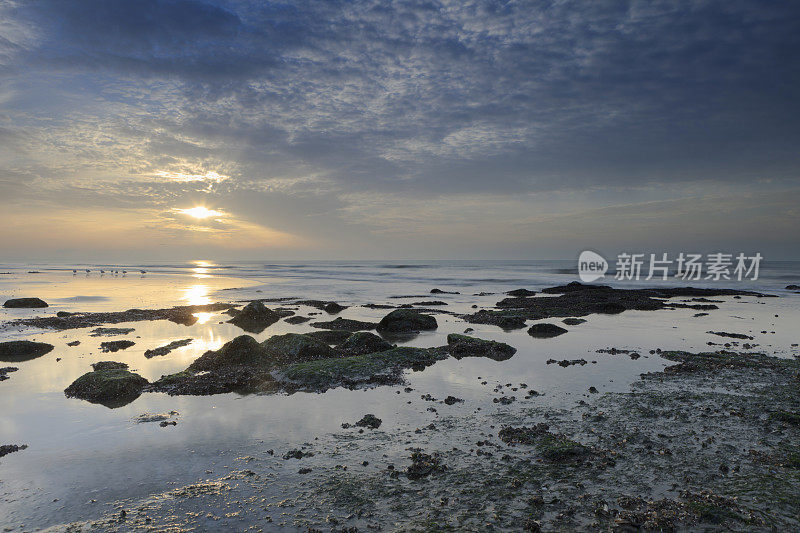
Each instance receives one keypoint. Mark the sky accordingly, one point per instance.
(185, 129)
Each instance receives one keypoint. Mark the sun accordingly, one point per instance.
(200, 212)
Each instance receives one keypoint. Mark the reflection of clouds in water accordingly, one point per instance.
(196, 295)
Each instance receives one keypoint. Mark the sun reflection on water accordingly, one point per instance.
(201, 269)
(196, 295)
(202, 318)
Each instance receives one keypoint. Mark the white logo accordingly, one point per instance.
(591, 266)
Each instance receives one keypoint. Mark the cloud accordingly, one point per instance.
(360, 109)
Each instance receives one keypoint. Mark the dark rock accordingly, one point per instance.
(296, 348)
(423, 465)
(73, 343)
(521, 293)
(112, 388)
(567, 362)
(243, 350)
(110, 332)
(375, 368)
(333, 308)
(363, 342)
(19, 351)
(4, 371)
(297, 454)
(793, 287)
(573, 321)
(463, 346)
(406, 320)
(165, 423)
(731, 335)
(439, 291)
(6, 449)
(109, 365)
(255, 317)
(164, 350)
(428, 302)
(552, 446)
(115, 346)
(345, 324)
(505, 320)
(369, 421)
(545, 331)
(62, 314)
(329, 307)
(297, 319)
(179, 315)
(450, 400)
(577, 299)
(25, 303)
(332, 336)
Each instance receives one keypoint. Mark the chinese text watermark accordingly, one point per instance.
(686, 266)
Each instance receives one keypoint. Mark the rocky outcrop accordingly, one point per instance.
(464, 346)
(164, 350)
(18, 351)
(406, 321)
(362, 343)
(25, 303)
(345, 324)
(112, 387)
(521, 293)
(255, 317)
(545, 331)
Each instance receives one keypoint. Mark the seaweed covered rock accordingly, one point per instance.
(6, 449)
(363, 342)
(552, 446)
(331, 308)
(545, 331)
(369, 421)
(506, 320)
(464, 346)
(243, 350)
(115, 346)
(406, 320)
(25, 303)
(109, 365)
(296, 319)
(111, 387)
(375, 368)
(255, 317)
(573, 321)
(423, 465)
(18, 351)
(344, 324)
(521, 293)
(295, 348)
(331, 336)
(164, 350)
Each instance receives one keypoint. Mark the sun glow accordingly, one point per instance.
(200, 212)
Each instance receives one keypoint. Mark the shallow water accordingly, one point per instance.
(83, 456)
